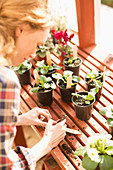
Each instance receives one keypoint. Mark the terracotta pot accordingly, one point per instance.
(75, 69)
(61, 58)
(83, 112)
(25, 78)
(38, 58)
(66, 93)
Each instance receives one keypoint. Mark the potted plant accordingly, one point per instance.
(46, 69)
(44, 89)
(42, 49)
(72, 64)
(98, 153)
(67, 84)
(95, 78)
(83, 102)
(23, 71)
(59, 24)
(63, 49)
(108, 112)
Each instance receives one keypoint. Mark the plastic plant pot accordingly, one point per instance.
(90, 86)
(66, 93)
(75, 69)
(83, 112)
(111, 130)
(45, 98)
(25, 78)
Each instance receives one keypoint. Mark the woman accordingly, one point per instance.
(23, 26)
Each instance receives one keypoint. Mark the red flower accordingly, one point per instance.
(71, 36)
(62, 36)
(59, 35)
(53, 31)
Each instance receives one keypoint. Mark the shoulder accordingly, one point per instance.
(8, 76)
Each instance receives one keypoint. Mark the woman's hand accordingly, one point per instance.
(35, 116)
(54, 134)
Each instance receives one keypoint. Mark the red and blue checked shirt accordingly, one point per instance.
(21, 158)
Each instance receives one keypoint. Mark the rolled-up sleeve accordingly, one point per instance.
(9, 109)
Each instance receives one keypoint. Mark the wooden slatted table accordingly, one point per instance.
(96, 124)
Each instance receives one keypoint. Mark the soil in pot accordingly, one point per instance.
(25, 78)
(75, 68)
(66, 93)
(91, 85)
(83, 111)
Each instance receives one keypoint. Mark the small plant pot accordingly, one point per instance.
(25, 78)
(90, 86)
(75, 69)
(83, 112)
(45, 98)
(111, 130)
(66, 93)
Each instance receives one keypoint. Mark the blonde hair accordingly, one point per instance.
(14, 13)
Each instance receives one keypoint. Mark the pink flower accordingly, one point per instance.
(63, 53)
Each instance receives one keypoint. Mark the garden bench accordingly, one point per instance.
(63, 154)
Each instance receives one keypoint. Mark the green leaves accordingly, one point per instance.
(81, 151)
(106, 162)
(48, 46)
(88, 164)
(108, 112)
(44, 69)
(64, 50)
(22, 67)
(66, 74)
(85, 98)
(44, 83)
(95, 77)
(98, 152)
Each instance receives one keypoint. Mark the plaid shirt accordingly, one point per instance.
(21, 158)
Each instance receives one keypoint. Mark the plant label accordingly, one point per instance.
(69, 81)
(36, 75)
(75, 51)
(104, 73)
(48, 57)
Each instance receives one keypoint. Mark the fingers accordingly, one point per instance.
(44, 112)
